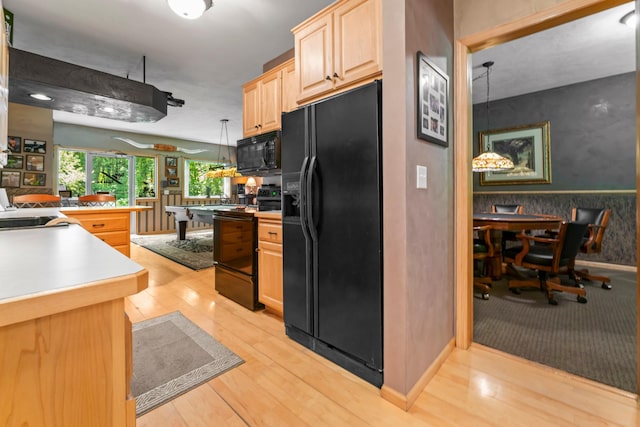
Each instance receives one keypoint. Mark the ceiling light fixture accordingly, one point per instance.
(490, 161)
(189, 9)
(223, 171)
(41, 96)
(630, 19)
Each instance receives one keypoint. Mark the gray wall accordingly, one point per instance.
(592, 133)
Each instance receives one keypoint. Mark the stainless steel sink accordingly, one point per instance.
(25, 222)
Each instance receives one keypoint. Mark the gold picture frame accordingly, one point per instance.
(528, 146)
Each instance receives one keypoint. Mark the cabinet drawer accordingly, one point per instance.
(270, 232)
(114, 238)
(97, 223)
(236, 226)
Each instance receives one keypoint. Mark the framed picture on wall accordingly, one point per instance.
(14, 162)
(173, 182)
(14, 144)
(33, 146)
(527, 146)
(10, 179)
(35, 163)
(433, 101)
(32, 179)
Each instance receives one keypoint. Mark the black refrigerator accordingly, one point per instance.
(332, 229)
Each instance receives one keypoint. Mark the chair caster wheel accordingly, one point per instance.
(581, 299)
(485, 295)
(553, 302)
(606, 286)
(515, 291)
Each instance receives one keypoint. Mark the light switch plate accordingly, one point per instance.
(421, 173)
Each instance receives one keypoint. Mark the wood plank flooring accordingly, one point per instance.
(283, 384)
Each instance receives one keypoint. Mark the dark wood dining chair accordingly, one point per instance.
(597, 220)
(36, 201)
(97, 200)
(549, 256)
(483, 251)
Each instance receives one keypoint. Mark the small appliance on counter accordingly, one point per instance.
(269, 198)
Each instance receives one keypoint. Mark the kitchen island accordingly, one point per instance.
(65, 341)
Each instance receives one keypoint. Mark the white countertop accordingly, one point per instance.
(52, 259)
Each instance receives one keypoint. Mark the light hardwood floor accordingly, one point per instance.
(283, 384)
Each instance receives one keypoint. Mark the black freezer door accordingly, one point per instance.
(346, 214)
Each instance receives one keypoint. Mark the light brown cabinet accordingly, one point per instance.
(111, 225)
(338, 48)
(262, 103)
(270, 264)
(289, 90)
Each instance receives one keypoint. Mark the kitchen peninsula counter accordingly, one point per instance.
(65, 341)
(269, 215)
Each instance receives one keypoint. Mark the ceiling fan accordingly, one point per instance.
(159, 147)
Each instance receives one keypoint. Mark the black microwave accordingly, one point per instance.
(260, 154)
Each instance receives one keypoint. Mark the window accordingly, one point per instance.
(85, 172)
(145, 177)
(198, 185)
(71, 171)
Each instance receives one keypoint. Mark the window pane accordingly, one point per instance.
(71, 171)
(198, 185)
(145, 177)
(110, 174)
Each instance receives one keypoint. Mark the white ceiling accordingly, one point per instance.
(587, 49)
(203, 61)
(206, 61)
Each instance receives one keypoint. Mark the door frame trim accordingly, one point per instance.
(463, 137)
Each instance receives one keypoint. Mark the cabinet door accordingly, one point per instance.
(270, 101)
(358, 41)
(270, 275)
(314, 57)
(289, 91)
(250, 108)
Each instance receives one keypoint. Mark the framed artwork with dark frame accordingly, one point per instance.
(33, 179)
(10, 179)
(14, 162)
(14, 144)
(173, 182)
(433, 101)
(528, 146)
(33, 146)
(35, 162)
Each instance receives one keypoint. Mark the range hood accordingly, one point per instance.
(82, 90)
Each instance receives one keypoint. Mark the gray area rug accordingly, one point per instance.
(195, 252)
(596, 340)
(172, 355)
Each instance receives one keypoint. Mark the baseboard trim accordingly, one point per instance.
(619, 267)
(405, 402)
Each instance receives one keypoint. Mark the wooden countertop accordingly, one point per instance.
(268, 215)
(50, 270)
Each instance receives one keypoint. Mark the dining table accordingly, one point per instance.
(512, 222)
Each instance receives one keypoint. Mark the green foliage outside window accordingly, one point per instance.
(111, 174)
(199, 184)
(145, 176)
(71, 172)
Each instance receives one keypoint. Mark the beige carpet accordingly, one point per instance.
(172, 355)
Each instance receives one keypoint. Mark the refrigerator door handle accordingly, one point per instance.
(310, 219)
(303, 198)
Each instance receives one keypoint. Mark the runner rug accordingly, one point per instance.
(172, 355)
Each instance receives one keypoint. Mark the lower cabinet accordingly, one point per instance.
(112, 225)
(270, 264)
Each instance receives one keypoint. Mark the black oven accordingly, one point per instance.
(259, 155)
(235, 239)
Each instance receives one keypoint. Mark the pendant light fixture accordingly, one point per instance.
(490, 161)
(223, 170)
(189, 9)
